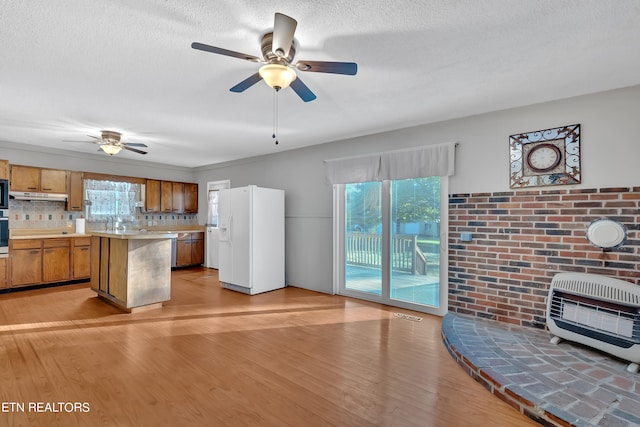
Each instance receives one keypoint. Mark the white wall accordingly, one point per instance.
(610, 149)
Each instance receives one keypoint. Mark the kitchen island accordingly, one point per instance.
(132, 270)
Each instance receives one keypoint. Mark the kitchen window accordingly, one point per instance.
(111, 200)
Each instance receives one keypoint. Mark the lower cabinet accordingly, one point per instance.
(4, 273)
(81, 258)
(26, 261)
(197, 248)
(56, 260)
(190, 249)
(51, 260)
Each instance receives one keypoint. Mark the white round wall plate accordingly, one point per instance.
(606, 233)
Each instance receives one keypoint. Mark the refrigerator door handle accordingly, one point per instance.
(231, 230)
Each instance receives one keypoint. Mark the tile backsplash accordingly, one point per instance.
(44, 214)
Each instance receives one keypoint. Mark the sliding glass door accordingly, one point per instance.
(363, 237)
(388, 242)
(415, 241)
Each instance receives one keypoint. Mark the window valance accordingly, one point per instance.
(430, 160)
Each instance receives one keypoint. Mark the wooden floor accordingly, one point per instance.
(214, 357)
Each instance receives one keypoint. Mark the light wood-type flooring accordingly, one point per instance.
(214, 357)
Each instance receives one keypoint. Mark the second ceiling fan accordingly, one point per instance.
(278, 51)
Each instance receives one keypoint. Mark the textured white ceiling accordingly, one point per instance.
(72, 68)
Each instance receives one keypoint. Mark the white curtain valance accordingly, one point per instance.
(430, 160)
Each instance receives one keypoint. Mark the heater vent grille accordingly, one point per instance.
(598, 287)
(613, 321)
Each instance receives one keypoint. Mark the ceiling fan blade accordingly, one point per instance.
(284, 27)
(221, 51)
(348, 68)
(133, 144)
(134, 150)
(302, 90)
(95, 137)
(246, 83)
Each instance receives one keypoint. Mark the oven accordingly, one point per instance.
(4, 233)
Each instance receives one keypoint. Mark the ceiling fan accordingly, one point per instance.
(279, 71)
(110, 143)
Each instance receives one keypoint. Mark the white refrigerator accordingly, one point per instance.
(251, 239)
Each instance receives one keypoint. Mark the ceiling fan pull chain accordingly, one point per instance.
(275, 116)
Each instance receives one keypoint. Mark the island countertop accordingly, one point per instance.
(135, 235)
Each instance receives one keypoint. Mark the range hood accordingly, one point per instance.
(50, 197)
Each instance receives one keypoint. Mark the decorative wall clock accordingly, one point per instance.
(545, 157)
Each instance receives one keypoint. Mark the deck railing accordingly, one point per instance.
(365, 249)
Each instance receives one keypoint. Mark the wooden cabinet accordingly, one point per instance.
(169, 196)
(81, 267)
(4, 273)
(51, 260)
(197, 248)
(56, 260)
(152, 196)
(189, 249)
(75, 201)
(177, 197)
(4, 169)
(166, 196)
(53, 181)
(190, 198)
(183, 250)
(25, 178)
(26, 261)
(28, 178)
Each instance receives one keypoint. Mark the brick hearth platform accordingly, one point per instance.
(556, 385)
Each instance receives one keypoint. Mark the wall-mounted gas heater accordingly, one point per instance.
(598, 311)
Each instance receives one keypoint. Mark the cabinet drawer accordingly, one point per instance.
(26, 244)
(184, 236)
(82, 241)
(197, 236)
(55, 243)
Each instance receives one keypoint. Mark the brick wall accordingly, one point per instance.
(521, 239)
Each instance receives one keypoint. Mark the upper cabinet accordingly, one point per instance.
(25, 178)
(152, 196)
(32, 179)
(191, 198)
(171, 197)
(166, 196)
(53, 181)
(4, 169)
(177, 196)
(75, 201)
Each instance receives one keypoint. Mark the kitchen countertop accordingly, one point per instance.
(47, 236)
(49, 233)
(135, 235)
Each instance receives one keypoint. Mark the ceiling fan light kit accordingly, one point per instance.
(277, 76)
(110, 149)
